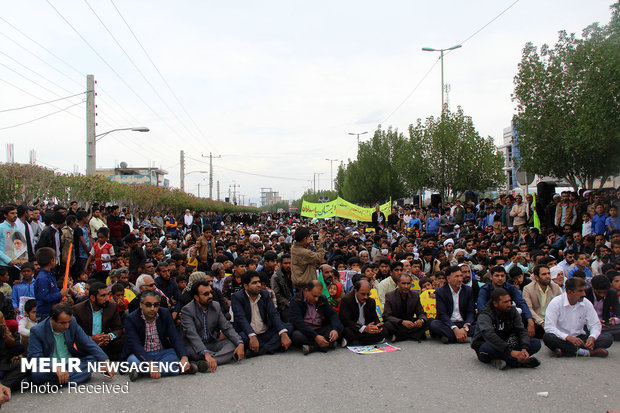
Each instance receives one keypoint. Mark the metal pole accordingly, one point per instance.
(442, 91)
(182, 162)
(199, 190)
(91, 149)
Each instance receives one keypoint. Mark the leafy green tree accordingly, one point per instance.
(452, 155)
(273, 208)
(568, 105)
(340, 176)
(374, 176)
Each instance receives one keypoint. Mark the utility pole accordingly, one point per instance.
(91, 150)
(331, 169)
(182, 162)
(211, 172)
(218, 190)
(199, 190)
(229, 197)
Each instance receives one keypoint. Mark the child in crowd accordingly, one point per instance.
(27, 322)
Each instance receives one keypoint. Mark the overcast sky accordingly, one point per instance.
(274, 87)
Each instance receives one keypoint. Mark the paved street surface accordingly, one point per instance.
(428, 377)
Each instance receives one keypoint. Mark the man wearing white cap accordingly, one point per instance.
(557, 276)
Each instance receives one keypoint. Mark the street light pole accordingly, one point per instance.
(358, 138)
(331, 170)
(91, 158)
(430, 49)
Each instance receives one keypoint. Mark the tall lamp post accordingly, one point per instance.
(331, 170)
(430, 49)
(358, 138)
(91, 145)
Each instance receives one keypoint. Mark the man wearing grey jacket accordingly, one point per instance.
(202, 322)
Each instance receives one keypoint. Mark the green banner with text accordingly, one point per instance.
(341, 208)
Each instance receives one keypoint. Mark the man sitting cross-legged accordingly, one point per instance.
(405, 318)
(202, 321)
(500, 337)
(358, 315)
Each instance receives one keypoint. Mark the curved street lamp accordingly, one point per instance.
(430, 49)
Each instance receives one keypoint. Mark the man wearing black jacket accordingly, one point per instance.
(316, 323)
(358, 314)
(500, 337)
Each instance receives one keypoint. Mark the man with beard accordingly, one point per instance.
(283, 287)
(202, 324)
(256, 318)
(500, 337)
(469, 281)
(100, 319)
(538, 295)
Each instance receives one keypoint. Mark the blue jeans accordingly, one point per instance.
(167, 355)
(52, 378)
(486, 353)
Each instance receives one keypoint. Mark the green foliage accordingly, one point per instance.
(374, 176)
(453, 157)
(340, 176)
(23, 184)
(568, 105)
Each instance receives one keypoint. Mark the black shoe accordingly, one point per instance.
(445, 339)
(306, 349)
(558, 352)
(203, 366)
(192, 369)
(134, 375)
(332, 345)
(530, 363)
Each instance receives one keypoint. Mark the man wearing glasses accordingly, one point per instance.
(152, 340)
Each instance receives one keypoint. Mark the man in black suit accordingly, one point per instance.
(469, 281)
(455, 309)
(605, 302)
(378, 218)
(405, 318)
(256, 318)
(100, 319)
(358, 314)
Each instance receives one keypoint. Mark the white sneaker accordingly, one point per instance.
(344, 342)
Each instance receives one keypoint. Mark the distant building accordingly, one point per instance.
(511, 158)
(125, 174)
(269, 197)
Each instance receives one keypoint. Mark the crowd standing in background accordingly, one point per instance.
(206, 289)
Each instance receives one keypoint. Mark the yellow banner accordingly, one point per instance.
(341, 208)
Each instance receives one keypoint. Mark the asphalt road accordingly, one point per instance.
(429, 377)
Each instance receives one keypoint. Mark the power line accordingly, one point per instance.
(122, 79)
(39, 104)
(247, 173)
(412, 92)
(137, 67)
(492, 20)
(39, 118)
(162, 77)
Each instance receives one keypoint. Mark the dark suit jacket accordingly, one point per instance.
(79, 344)
(110, 318)
(242, 312)
(298, 312)
(47, 238)
(349, 311)
(445, 305)
(192, 326)
(392, 307)
(135, 331)
(610, 304)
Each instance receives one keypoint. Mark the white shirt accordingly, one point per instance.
(563, 319)
(361, 320)
(456, 313)
(188, 219)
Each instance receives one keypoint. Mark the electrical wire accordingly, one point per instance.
(246, 172)
(39, 104)
(163, 78)
(41, 117)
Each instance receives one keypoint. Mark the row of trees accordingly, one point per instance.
(25, 184)
(568, 105)
(445, 154)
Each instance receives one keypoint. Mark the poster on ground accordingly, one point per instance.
(373, 349)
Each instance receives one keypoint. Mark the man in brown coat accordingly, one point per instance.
(205, 246)
(100, 320)
(303, 260)
(538, 294)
